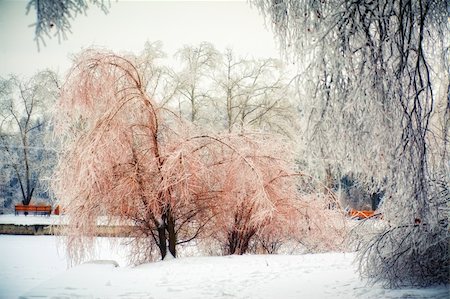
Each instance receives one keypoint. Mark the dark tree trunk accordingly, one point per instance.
(232, 242)
(28, 197)
(172, 234)
(238, 242)
(162, 240)
(167, 235)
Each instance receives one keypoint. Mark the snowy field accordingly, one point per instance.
(36, 267)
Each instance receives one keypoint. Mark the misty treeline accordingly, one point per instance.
(376, 77)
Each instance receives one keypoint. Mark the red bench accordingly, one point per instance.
(37, 210)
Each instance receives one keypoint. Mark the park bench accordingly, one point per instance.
(360, 214)
(37, 210)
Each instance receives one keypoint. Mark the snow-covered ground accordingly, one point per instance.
(35, 266)
(28, 261)
(21, 219)
(29, 220)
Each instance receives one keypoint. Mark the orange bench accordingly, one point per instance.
(360, 214)
(37, 210)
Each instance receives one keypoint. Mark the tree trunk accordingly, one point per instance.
(172, 234)
(238, 241)
(29, 191)
(162, 240)
(232, 242)
(167, 235)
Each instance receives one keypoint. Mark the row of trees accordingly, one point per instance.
(129, 159)
(200, 164)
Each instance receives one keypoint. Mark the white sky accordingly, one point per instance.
(128, 25)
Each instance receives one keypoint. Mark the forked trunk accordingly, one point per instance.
(167, 235)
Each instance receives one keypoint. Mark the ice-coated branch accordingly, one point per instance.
(54, 17)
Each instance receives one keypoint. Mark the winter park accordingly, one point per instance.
(224, 149)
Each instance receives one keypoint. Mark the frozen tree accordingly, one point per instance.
(225, 91)
(127, 159)
(258, 191)
(24, 128)
(115, 145)
(198, 63)
(53, 17)
(375, 77)
(253, 93)
(156, 76)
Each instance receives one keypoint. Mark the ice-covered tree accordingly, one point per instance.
(253, 93)
(24, 129)
(198, 64)
(223, 90)
(156, 76)
(257, 190)
(128, 159)
(375, 77)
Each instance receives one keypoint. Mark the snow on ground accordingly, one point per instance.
(28, 261)
(33, 266)
(29, 219)
(32, 219)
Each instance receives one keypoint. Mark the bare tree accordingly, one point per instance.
(198, 64)
(156, 76)
(253, 93)
(377, 75)
(25, 116)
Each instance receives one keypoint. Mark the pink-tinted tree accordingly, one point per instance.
(258, 192)
(116, 155)
(127, 160)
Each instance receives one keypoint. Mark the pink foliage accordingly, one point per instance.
(258, 190)
(129, 162)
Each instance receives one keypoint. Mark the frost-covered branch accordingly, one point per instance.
(53, 17)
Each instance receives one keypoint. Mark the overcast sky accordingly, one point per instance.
(128, 25)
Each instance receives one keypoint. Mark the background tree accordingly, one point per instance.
(377, 77)
(253, 93)
(157, 77)
(198, 63)
(222, 90)
(24, 128)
